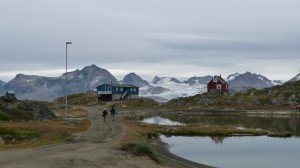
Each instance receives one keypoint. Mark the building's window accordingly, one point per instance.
(134, 89)
(117, 89)
(108, 88)
(219, 86)
(121, 89)
(226, 87)
(215, 80)
(131, 89)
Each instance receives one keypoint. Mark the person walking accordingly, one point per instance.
(112, 113)
(104, 114)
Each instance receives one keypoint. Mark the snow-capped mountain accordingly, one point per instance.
(239, 82)
(294, 79)
(198, 80)
(89, 78)
(49, 88)
(160, 88)
(164, 80)
(134, 79)
(167, 88)
(232, 76)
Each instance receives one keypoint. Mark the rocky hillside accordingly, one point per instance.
(82, 99)
(49, 88)
(134, 79)
(277, 97)
(13, 109)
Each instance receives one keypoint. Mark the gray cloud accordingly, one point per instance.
(151, 37)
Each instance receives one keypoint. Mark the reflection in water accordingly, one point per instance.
(217, 139)
(237, 152)
(271, 123)
(160, 121)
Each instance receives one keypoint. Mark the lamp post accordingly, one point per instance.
(66, 107)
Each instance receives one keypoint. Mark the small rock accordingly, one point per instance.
(2, 142)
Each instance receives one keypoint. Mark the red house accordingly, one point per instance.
(217, 85)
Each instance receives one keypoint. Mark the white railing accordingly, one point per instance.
(124, 94)
(104, 92)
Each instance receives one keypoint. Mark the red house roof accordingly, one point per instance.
(217, 84)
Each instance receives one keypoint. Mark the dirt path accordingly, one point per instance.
(92, 148)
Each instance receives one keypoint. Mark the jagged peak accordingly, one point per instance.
(134, 79)
(93, 66)
(132, 74)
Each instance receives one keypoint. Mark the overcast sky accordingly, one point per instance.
(178, 38)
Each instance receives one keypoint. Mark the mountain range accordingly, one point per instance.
(1, 83)
(160, 88)
(49, 88)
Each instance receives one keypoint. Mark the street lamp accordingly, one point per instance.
(66, 107)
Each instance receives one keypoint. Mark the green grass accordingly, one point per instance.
(15, 136)
(14, 113)
(140, 148)
(5, 116)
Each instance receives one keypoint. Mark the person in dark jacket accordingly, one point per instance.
(112, 113)
(104, 114)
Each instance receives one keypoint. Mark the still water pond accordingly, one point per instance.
(238, 152)
(270, 123)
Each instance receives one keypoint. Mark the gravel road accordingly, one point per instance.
(92, 148)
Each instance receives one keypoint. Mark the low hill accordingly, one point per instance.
(13, 109)
(277, 97)
(79, 99)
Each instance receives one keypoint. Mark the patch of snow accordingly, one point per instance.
(233, 76)
(94, 82)
(276, 83)
(265, 80)
(164, 80)
(175, 90)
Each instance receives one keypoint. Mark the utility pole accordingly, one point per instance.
(66, 89)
